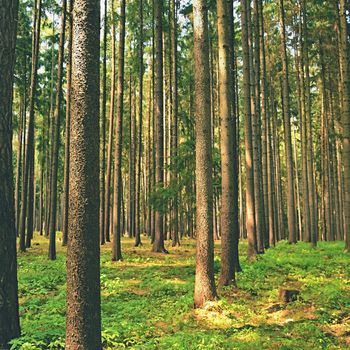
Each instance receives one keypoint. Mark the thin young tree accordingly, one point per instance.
(344, 60)
(29, 154)
(174, 126)
(103, 127)
(139, 152)
(204, 289)
(83, 320)
(9, 316)
(117, 191)
(158, 243)
(56, 137)
(250, 207)
(292, 235)
(67, 128)
(107, 211)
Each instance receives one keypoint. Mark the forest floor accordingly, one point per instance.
(147, 300)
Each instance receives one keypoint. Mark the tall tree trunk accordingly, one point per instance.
(139, 156)
(325, 151)
(310, 156)
(149, 160)
(56, 136)
(107, 217)
(174, 143)
(304, 132)
(48, 136)
(250, 207)
(158, 243)
(103, 128)
(83, 321)
(29, 155)
(117, 193)
(204, 289)
(344, 61)
(21, 130)
(256, 92)
(9, 316)
(292, 236)
(228, 224)
(67, 131)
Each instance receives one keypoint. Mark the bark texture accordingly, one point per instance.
(9, 318)
(228, 224)
(83, 320)
(204, 289)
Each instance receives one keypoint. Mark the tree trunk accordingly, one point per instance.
(250, 207)
(67, 132)
(158, 243)
(107, 217)
(56, 136)
(9, 317)
(228, 222)
(29, 155)
(292, 236)
(204, 289)
(83, 320)
(117, 193)
(174, 126)
(103, 127)
(343, 48)
(139, 153)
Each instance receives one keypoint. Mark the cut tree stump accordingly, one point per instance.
(288, 295)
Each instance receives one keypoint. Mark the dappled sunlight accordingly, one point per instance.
(147, 299)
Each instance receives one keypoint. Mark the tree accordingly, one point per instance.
(56, 137)
(174, 124)
(107, 211)
(29, 154)
(250, 207)
(83, 320)
(103, 128)
(228, 222)
(9, 316)
(344, 61)
(204, 289)
(117, 194)
(67, 129)
(292, 238)
(139, 157)
(158, 243)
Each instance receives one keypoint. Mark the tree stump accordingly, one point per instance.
(288, 295)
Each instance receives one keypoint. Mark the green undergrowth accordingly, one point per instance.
(147, 300)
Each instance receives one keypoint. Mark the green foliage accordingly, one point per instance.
(147, 300)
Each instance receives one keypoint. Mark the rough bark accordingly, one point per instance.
(228, 225)
(204, 289)
(9, 317)
(83, 320)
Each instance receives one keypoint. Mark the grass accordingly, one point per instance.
(147, 300)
